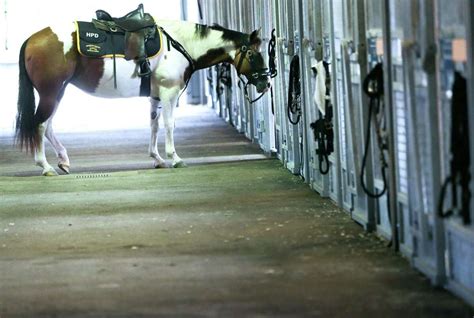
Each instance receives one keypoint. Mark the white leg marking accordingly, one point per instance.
(61, 152)
(40, 156)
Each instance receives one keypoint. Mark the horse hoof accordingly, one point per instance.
(64, 167)
(161, 165)
(180, 164)
(50, 173)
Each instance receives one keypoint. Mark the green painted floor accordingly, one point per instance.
(228, 239)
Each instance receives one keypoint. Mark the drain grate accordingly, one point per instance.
(92, 176)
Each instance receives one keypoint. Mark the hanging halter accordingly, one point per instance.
(294, 110)
(374, 88)
(460, 176)
(272, 64)
(323, 127)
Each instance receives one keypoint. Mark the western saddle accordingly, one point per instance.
(137, 25)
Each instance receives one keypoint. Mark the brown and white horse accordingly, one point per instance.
(49, 61)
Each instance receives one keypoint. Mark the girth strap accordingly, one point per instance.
(178, 47)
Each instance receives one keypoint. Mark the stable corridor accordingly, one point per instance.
(233, 235)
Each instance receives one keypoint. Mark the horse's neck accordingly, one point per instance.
(206, 48)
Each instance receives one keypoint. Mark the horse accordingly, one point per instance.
(49, 60)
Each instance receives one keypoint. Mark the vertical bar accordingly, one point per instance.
(337, 146)
(470, 83)
(431, 33)
(360, 37)
(305, 149)
(184, 10)
(388, 100)
(318, 29)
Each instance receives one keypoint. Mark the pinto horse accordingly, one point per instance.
(49, 61)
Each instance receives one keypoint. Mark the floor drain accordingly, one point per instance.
(92, 176)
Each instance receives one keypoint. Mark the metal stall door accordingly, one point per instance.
(454, 29)
(416, 127)
(238, 108)
(356, 111)
(397, 28)
(403, 19)
(328, 47)
(348, 67)
(289, 136)
(224, 78)
(263, 116)
(245, 10)
(219, 88)
(313, 51)
(235, 108)
(374, 180)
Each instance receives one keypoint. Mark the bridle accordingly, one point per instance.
(246, 53)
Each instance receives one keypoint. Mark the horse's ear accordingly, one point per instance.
(255, 37)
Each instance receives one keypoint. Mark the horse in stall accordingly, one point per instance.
(51, 59)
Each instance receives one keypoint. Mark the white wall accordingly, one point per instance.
(25, 17)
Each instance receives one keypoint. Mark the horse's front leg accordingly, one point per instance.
(171, 97)
(155, 113)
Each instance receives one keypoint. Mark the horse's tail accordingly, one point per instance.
(26, 126)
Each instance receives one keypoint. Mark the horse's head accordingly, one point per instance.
(250, 63)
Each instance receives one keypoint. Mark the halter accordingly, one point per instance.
(246, 53)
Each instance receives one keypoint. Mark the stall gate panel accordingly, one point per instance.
(290, 134)
(264, 119)
(456, 21)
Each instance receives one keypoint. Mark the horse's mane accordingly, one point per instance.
(229, 35)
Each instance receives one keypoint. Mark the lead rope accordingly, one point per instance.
(294, 91)
(272, 65)
(373, 87)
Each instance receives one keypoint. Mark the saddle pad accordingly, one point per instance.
(92, 42)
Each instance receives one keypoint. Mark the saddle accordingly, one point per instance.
(133, 36)
(137, 26)
(131, 22)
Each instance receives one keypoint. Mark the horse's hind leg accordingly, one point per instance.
(61, 152)
(44, 113)
(40, 155)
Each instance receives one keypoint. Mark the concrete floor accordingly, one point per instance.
(229, 239)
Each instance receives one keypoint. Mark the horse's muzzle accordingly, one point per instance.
(263, 88)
